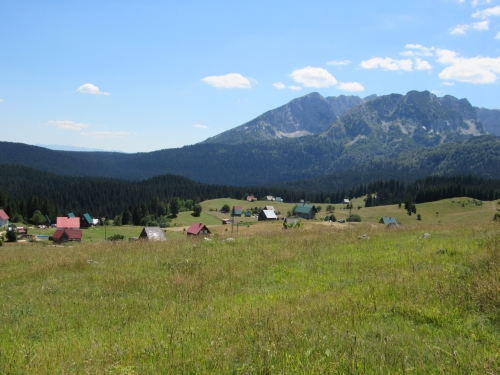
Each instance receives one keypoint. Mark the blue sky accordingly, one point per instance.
(146, 75)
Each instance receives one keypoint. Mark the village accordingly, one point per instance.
(229, 217)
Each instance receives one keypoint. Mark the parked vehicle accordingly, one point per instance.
(341, 221)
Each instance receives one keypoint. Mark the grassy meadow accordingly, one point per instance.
(313, 300)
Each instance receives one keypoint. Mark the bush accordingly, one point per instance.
(11, 235)
(116, 237)
(330, 217)
(496, 217)
(354, 218)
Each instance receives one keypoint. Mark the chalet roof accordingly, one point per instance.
(68, 222)
(388, 220)
(196, 228)
(3, 215)
(237, 210)
(71, 214)
(72, 234)
(279, 199)
(153, 234)
(269, 214)
(270, 208)
(305, 208)
(248, 214)
(88, 218)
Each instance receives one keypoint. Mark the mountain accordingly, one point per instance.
(307, 115)
(490, 119)
(419, 117)
(379, 137)
(72, 148)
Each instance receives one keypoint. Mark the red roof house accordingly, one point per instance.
(4, 218)
(197, 228)
(250, 198)
(65, 235)
(68, 222)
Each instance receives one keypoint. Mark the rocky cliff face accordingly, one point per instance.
(490, 119)
(309, 114)
(421, 116)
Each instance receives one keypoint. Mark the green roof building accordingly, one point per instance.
(306, 211)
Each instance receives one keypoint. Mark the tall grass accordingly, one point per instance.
(311, 301)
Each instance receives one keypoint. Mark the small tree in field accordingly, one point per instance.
(225, 208)
(11, 235)
(197, 209)
(38, 218)
(419, 217)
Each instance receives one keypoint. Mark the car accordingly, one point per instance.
(341, 221)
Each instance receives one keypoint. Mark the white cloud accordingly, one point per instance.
(89, 88)
(498, 35)
(350, 86)
(199, 126)
(295, 88)
(279, 85)
(475, 3)
(459, 29)
(422, 64)
(419, 50)
(448, 83)
(486, 13)
(229, 81)
(478, 70)
(67, 124)
(338, 63)
(388, 64)
(105, 134)
(313, 77)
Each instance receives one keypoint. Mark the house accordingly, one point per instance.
(71, 214)
(196, 229)
(306, 211)
(346, 201)
(95, 221)
(270, 198)
(87, 221)
(226, 221)
(152, 234)
(65, 235)
(388, 220)
(267, 215)
(4, 218)
(250, 198)
(279, 199)
(237, 211)
(270, 208)
(248, 214)
(68, 222)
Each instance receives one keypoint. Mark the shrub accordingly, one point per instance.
(354, 218)
(11, 235)
(116, 237)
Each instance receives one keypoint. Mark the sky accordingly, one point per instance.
(146, 75)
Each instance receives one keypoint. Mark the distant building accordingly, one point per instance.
(250, 198)
(388, 220)
(152, 234)
(237, 211)
(267, 215)
(68, 222)
(306, 211)
(346, 201)
(226, 221)
(248, 214)
(66, 235)
(279, 199)
(87, 220)
(4, 218)
(270, 198)
(270, 208)
(197, 228)
(71, 214)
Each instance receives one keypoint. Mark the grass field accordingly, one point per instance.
(314, 300)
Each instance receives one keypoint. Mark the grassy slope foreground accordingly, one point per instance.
(314, 300)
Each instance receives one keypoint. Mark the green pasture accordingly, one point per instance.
(315, 300)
